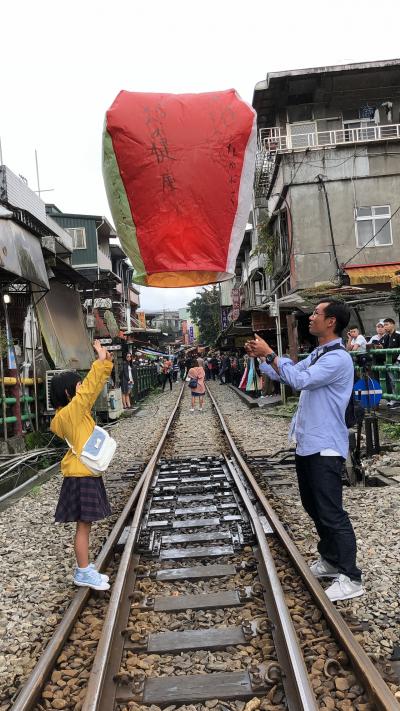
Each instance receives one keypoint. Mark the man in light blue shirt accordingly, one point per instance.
(325, 380)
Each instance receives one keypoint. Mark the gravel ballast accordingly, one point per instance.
(36, 576)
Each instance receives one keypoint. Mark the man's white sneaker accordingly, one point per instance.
(344, 589)
(192, 409)
(322, 569)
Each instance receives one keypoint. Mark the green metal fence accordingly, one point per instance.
(144, 379)
(379, 368)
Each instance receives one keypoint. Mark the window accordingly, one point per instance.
(258, 296)
(372, 226)
(302, 135)
(359, 130)
(78, 235)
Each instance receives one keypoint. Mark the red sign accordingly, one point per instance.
(235, 304)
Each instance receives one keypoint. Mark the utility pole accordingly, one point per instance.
(37, 173)
(279, 342)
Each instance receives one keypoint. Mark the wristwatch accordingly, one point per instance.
(271, 357)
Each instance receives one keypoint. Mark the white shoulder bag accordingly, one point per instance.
(97, 452)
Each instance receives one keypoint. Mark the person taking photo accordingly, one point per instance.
(325, 381)
(83, 497)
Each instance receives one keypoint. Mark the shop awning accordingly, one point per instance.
(152, 354)
(21, 255)
(374, 274)
(63, 327)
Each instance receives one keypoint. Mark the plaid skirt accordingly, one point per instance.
(82, 498)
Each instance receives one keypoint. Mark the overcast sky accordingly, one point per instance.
(63, 63)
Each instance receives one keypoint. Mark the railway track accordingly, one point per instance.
(211, 604)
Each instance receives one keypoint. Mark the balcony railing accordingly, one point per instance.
(274, 139)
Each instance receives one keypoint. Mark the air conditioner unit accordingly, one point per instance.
(273, 308)
(49, 377)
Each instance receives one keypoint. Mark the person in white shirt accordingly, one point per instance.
(380, 332)
(355, 341)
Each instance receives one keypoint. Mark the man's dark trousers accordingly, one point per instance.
(320, 484)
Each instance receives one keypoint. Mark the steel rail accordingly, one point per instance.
(373, 682)
(101, 660)
(30, 692)
(299, 692)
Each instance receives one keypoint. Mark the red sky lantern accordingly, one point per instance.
(179, 171)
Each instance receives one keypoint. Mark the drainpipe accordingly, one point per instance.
(3, 395)
(322, 186)
(97, 245)
(279, 342)
(33, 344)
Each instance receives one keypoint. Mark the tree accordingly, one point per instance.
(205, 312)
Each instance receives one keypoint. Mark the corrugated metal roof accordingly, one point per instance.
(15, 192)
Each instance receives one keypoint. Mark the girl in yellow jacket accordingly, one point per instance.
(83, 496)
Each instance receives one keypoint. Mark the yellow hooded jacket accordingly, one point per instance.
(75, 423)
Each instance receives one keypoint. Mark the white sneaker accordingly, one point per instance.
(192, 409)
(322, 569)
(90, 578)
(102, 575)
(344, 589)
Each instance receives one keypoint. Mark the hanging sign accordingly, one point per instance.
(235, 304)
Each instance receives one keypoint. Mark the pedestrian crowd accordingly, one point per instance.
(386, 336)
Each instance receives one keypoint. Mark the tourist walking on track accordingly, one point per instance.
(83, 497)
(196, 376)
(320, 431)
(167, 373)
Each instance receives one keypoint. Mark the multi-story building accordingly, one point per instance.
(189, 329)
(166, 320)
(327, 185)
(37, 331)
(110, 297)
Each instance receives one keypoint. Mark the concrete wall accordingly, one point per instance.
(372, 177)
(312, 247)
(332, 95)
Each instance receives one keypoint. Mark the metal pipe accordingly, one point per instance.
(15, 418)
(33, 344)
(10, 380)
(279, 343)
(12, 400)
(3, 394)
(17, 390)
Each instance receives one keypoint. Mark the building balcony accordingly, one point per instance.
(295, 137)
